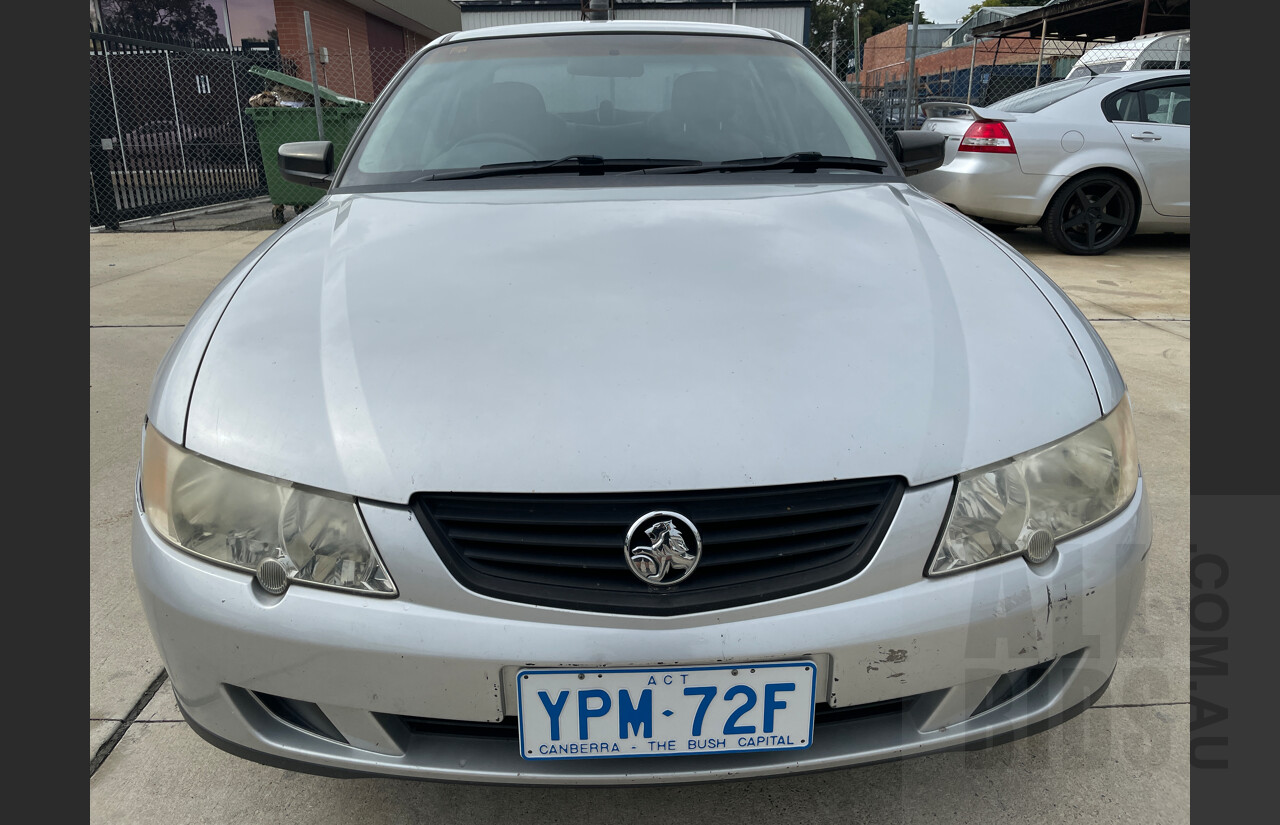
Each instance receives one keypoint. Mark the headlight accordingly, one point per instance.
(272, 528)
(1027, 503)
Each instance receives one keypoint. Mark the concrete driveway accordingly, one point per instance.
(1124, 760)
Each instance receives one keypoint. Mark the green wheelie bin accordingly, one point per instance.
(277, 125)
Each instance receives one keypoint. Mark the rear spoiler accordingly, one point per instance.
(942, 108)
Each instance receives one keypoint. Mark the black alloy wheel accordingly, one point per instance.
(1090, 215)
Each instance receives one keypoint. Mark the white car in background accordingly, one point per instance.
(1091, 160)
(1160, 50)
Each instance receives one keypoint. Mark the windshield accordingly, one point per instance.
(697, 99)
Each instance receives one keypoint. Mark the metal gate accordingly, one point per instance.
(167, 129)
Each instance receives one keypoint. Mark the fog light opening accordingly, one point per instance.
(272, 576)
(1012, 685)
(1039, 547)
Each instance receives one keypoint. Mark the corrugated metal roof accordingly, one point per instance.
(1093, 20)
(983, 16)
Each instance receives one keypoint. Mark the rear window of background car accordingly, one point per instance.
(1033, 100)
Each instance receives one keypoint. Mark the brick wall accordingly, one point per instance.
(883, 49)
(885, 58)
(332, 22)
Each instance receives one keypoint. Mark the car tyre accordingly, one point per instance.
(1090, 215)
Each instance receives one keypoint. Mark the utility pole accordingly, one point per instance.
(315, 84)
(857, 48)
(973, 58)
(834, 21)
(908, 116)
(1044, 28)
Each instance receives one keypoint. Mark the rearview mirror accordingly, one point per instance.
(919, 151)
(308, 162)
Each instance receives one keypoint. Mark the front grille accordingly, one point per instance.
(567, 550)
(508, 728)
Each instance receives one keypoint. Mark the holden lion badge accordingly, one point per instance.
(667, 558)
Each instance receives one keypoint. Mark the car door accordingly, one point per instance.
(1153, 120)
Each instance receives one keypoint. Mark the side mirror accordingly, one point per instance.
(308, 162)
(919, 151)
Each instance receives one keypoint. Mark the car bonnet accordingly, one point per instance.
(635, 338)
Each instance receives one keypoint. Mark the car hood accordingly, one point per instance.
(636, 338)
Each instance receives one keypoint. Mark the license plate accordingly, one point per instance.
(589, 714)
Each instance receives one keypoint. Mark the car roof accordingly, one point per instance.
(1137, 44)
(1146, 74)
(611, 27)
(1100, 86)
(1110, 81)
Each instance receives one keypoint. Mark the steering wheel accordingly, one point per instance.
(496, 137)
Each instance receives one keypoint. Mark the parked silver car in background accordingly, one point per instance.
(1090, 160)
(622, 414)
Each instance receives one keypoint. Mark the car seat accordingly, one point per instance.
(702, 122)
(518, 110)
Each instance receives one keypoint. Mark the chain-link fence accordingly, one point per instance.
(891, 86)
(176, 126)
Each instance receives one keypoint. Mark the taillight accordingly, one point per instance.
(987, 136)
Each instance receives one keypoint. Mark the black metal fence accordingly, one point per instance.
(167, 129)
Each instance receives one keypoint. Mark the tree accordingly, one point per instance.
(874, 17)
(193, 21)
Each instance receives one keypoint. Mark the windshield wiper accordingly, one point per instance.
(796, 162)
(581, 164)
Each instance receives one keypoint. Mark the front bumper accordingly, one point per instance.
(419, 686)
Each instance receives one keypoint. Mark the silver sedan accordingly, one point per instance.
(621, 414)
(1091, 160)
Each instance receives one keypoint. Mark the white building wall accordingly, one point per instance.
(788, 20)
(483, 19)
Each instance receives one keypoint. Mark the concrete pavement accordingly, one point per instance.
(1123, 760)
